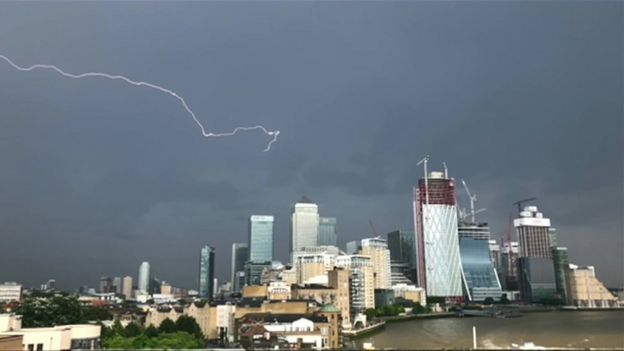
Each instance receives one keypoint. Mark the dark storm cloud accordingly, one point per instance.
(520, 99)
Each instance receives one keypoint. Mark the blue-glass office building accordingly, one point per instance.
(478, 274)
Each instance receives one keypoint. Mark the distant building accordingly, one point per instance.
(439, 266)
(495, 255)
(166, 288)
(10, 291)
(127, 287)
(411, 293)
(479, 231)
(561, 261)
(106, 285)
(261, 238)
(253, 271)
(536, 279)
(585, 290)
(352, 247)
(312, 263)
(533, 231)
(478, 273)
(377, 249)
(304, 225)
(240, 255)
(327, 231)
(206, 272)
(144, 277)
(362, 281)
(402, 246)
(117, 285)
(509, 266)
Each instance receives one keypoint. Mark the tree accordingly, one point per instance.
(117, 328)
(371, 313)
(132, 329)
(189, 324)
(48, 312)
(167, 326)
(151, 332)
(488, 301)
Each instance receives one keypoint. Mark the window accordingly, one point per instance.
(39, 347)
(31, 347)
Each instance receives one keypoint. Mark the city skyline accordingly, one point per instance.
(101, 177)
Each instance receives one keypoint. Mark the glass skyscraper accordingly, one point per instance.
(479, 276)
(402, 246)
(144, 277)
(206, 272)
(261, 238)
(304, 225)
(327, 231)
(240, 255)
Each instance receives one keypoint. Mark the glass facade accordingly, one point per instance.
(206, 272)
(480, 280)
(261, 238)
(402, 246)
(240, 255)
(536, 279)
(327, 231)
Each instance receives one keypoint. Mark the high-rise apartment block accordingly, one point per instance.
(261, 238)
(327, 231)
(304, 225)
(439, 266)
(362, 281)
(206, 272)
(240, 255)
(127, 287)
(377, 250)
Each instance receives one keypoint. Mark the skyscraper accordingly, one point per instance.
(478, 272)
(352, 247)
(402, 246)
(240, 255)
(439, 267)
(304, 225)
(106, 285)
(327, 231)
(117, 285)
(536, 270)
(206, 272)
(377, 249)
(509, 266)
(127, 287)
(261, 238)
(144, 277)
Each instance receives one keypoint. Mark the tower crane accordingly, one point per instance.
(473, 199)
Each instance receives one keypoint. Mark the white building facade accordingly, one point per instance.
(304, 225)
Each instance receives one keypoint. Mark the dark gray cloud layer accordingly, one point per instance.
(520, 99)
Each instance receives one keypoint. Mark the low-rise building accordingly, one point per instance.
(585, 290)
(278, 291)
(10, 291)
(411, 293)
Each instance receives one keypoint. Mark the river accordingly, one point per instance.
(552, 329)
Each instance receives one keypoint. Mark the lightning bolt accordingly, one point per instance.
(271, 133)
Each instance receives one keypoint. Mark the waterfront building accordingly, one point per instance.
(144, 277)
(495, 254)
(402, 246)
(377, 249)
(478, 273)
(362, 281)
(106, 285)
(339, 279)
(206, 272)
(313, 267)
(240, 255)
(439, 266)
(533, 231)
(478, 231)
(304, 225)
(536, 278)
(10, 291)
(585, 290)
(261, 238)
(327, 231)
(561, 261)
(352, 247)
(127, 287)
(509, 266)
(410, 292)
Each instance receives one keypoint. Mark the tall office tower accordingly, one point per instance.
(377, 249)
(352, 247)
(479, 231)
(509, 266)
(106, 285)
(435, 217)
(253, 271)
(206, 272)
(261, 238)
(312, 264)
(144, 277)
(327, 231)
(117, 285)
(536, 270)
(362, 281)
(494, 254)
(304, 225)
(240, 255)
(561, 261)
(478, 273)
(127, 287)
(552, 237)
(402, 246)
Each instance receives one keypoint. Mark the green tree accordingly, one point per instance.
(151, 332)
(504, 300)
(167, 326)
(117, 328)
(48, 312)
(488, 301)
(178, 340)
(189, 324)
(132, 329)
(370, 313)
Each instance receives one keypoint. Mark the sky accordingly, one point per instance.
(520, 99)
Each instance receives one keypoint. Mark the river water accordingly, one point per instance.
(551, 329)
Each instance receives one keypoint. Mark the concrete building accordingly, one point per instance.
(509, 266)
(106, 285)
(327, 231)
(166, 288)
(411, 293)
(313, 263)
(377, 250)
(304, 225)
(479, 231)
(240, 255)
(261, 238)
(145, 276)
(288, 332)
(117, 285)
(362, 287)
(495, 254)
(254, 270)
(435, 217)
(279, 291)
(206, 272)
(352, 247)
(127, 287)
(533, 231)
(584, 290)
(339, 279)
(10, 291)
(62, 337)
